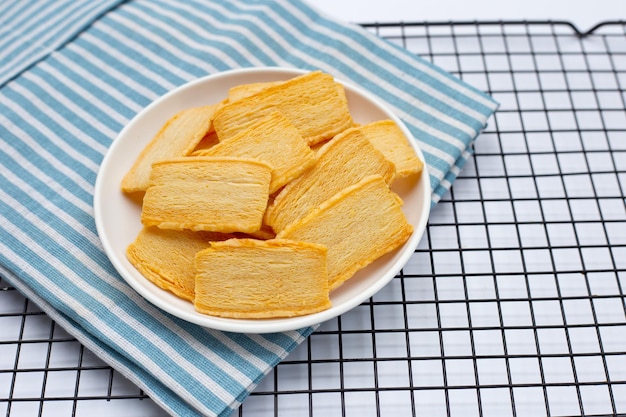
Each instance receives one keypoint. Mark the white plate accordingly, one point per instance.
(118, 217)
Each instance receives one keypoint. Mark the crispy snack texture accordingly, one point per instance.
(357, 225)
(166, 257)
(247, 278)
(311, 102)
(215, 194)
(387, 137)
(260, 205)
(245, 90)
(272, 139)
(177, 137)
(343, 161)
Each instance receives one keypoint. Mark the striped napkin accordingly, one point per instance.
(68, 88)
(31, 30)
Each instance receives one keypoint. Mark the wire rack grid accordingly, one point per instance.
(512, 305)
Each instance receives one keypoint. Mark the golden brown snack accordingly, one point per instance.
(387, 137)
(310, 101)
(341, 90)
(265, 233)
(166, 257)
(342, 162)
(216, 194)
(272, 139)
(245, 90)
(357, 225)
(177, 137)
(291, 191)
(208, 141)
(247, 278)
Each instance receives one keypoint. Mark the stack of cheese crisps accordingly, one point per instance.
(260, 205)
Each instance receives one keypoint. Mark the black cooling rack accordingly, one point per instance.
(512, 305)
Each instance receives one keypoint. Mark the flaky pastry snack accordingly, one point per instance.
(262, 204)
(247, 278)
(343, 161)
(166, 257)
(273, 139)
(203, 193)
(179, 136)
(310, 101)
(357, 225)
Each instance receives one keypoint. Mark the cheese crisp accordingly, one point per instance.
(166, 257)
(311, 102)
(342, 162)
(357, 225)
(387, 137)
(260, 205)
(208, 141)
(247, 278)
(216, 194)
(177, 137)
(272, 139)
(245, 90)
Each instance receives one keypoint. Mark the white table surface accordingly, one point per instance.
(583, 13)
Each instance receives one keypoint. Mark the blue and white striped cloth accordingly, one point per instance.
(72, 75)
(32, 29)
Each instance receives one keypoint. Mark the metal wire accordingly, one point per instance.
(513, 304)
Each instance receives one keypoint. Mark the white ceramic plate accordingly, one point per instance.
(118, 217)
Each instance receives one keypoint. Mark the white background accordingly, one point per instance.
(583, 13)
